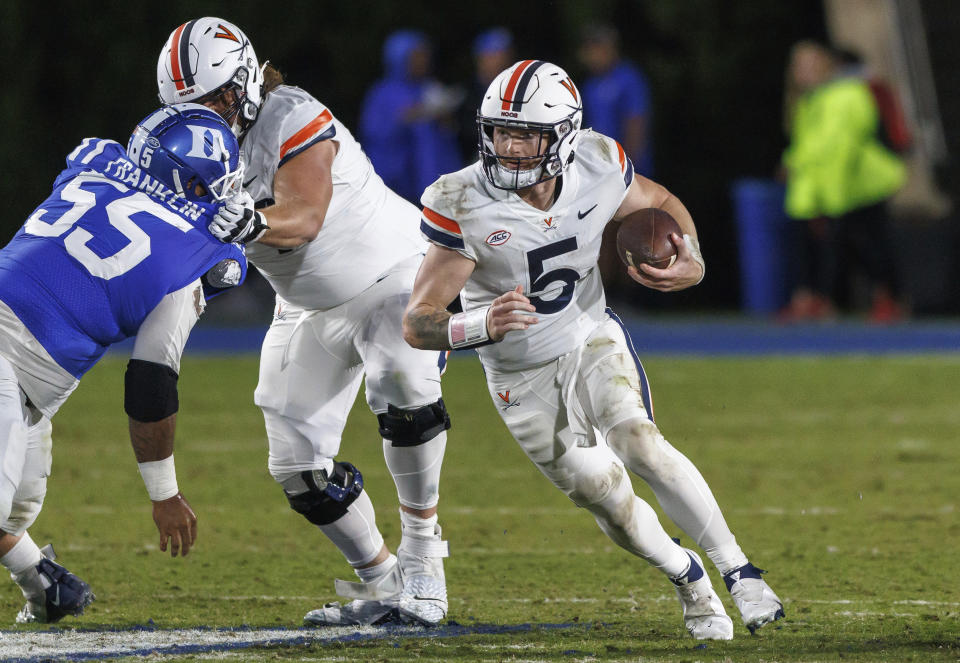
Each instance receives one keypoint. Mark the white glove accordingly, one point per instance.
(237, 221)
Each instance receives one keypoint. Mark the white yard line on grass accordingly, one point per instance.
(74, 645)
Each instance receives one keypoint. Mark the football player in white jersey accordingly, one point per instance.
(341, 250)
(517, 234)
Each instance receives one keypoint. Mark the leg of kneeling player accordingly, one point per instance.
(403, 390)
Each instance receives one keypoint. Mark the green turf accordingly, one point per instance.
(839, 476)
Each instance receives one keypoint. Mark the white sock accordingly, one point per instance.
(417, 526)
(416, 471)
(726, 557)
(24, 555)
(371, 573)
(355, 533)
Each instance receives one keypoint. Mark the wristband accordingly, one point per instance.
(693, 245)
(468, 329)
(160, 478)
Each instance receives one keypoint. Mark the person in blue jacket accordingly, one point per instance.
(121, 247)
(616, 96)
(406, 124)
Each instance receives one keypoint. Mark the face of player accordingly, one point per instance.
(223, 104)
(518, 148)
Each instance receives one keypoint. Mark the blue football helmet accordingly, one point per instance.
(184, 145)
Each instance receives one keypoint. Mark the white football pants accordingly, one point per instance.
(584, 416)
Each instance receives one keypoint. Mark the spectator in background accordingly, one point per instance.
(616, 96)
(839, 176)
(492, 53)
(406, 119)
(616, 102)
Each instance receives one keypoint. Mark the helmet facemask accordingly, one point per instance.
(531, 96)
(508, 172)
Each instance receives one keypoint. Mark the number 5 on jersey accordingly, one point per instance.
(539, 281)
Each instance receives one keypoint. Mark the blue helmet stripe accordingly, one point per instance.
(521, 90)
(185, 54)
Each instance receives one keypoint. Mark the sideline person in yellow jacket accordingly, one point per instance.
(839, 176)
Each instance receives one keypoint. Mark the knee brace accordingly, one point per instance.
(322, 498)
(409, 428)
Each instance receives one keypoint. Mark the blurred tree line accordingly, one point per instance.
(73, 70)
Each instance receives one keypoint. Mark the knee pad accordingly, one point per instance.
(322, 497)
(408, 428)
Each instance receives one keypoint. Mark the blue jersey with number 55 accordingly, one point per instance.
(100, 253)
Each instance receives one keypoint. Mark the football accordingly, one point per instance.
(644, 237)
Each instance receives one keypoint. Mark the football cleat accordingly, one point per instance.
(757, 603)
(52, 592)
(375, 603)
(360, 612)
(703, 613)
(424, 596)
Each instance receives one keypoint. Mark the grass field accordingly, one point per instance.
(839, 476)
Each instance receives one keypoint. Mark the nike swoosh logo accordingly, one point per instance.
(250, 181)
(56, 597)
(580, 215)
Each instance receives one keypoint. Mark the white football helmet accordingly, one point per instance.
(532, 95)
(205, 58)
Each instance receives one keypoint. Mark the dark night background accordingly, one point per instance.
(716, 70)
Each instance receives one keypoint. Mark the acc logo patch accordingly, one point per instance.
(498, 237)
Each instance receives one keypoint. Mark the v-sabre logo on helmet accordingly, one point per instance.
(567, 83)
(224, 33)
(207, 143)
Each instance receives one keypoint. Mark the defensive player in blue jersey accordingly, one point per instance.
(119, 249)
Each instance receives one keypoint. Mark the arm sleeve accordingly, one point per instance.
(164, 332)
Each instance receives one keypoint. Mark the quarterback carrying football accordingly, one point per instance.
(517, 235)
(341, 251)
(121, 248)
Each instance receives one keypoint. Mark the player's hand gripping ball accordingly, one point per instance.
(644, 237)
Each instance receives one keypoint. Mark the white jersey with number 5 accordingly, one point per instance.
(552, 254)
(367, 228)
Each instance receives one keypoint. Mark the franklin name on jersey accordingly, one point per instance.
(97, 256)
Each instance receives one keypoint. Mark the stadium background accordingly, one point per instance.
(838, 471)
(716, 71)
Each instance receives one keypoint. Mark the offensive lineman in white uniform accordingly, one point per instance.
(341, 251)
(528, 218)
